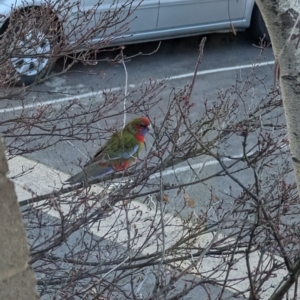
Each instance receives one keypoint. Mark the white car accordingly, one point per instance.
(57, 27)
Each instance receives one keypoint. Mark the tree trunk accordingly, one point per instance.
(280, 17)
(16, 277)
(282, 20)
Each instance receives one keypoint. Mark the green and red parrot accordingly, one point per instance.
(118, 153)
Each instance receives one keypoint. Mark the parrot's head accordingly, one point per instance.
(139, 126)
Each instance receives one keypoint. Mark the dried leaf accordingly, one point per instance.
(188, 200)
(166, 198)
(216, 197)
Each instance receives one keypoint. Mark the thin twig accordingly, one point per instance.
(126, 87)
(200, 55)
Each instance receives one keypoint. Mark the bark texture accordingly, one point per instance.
(282, 20)
(16, 277)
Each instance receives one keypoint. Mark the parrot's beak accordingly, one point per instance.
(150, 128)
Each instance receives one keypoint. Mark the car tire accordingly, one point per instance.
(258, 26)
(32, 36)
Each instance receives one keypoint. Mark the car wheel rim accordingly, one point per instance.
(32, 45)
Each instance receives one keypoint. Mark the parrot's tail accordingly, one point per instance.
(89, 174)
(80, 177)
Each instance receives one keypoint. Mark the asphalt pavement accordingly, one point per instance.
(226, 59)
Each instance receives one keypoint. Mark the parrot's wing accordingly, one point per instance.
(107, 159)
(116, 148)
(131, 152)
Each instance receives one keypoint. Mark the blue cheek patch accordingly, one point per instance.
(144, 131)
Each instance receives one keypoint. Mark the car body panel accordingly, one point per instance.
(142, 16)
(153, 19)
(185, 13)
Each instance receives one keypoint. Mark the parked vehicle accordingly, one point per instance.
(30, 42)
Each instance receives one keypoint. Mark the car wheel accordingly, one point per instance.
(258, 26)
(33, 46)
